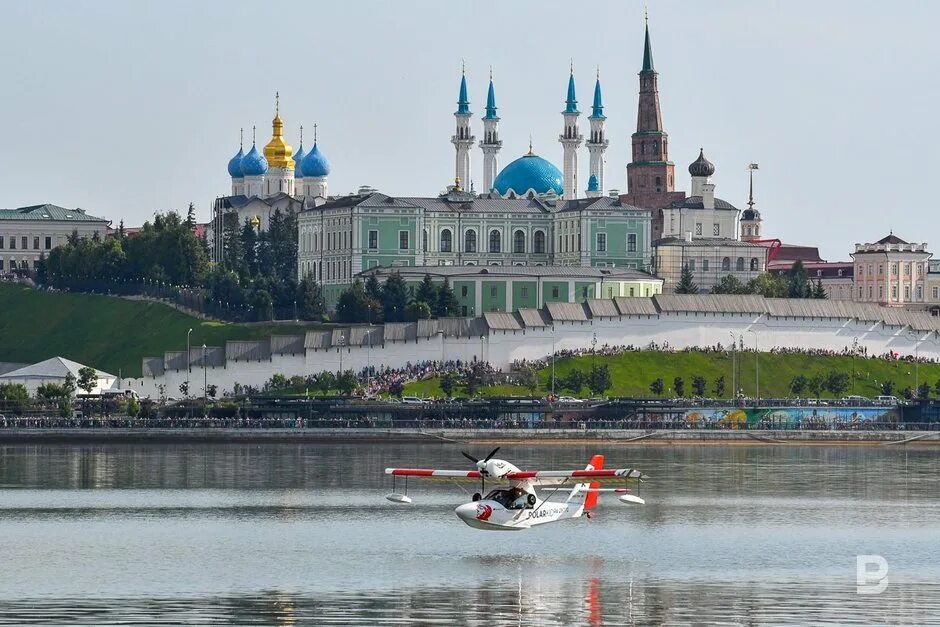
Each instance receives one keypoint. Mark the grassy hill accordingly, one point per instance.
(632, 373)
(108, 333)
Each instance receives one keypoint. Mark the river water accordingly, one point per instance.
(300, 534)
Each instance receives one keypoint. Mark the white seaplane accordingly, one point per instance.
(518, 507)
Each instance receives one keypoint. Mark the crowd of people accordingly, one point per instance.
(386, 381)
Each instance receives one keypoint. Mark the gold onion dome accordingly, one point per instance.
(278, 152)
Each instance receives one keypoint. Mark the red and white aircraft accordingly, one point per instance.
(518, 506)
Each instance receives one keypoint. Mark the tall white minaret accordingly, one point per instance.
(597, 144)
(463, 140)
(570, 140)
(491, 142)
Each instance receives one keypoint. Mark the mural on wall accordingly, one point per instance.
(790, 417)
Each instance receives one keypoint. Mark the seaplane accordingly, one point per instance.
(518, 506)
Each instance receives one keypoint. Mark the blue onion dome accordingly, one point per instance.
(235, 165)
(316, 163)
(254, 163)
(701, 166)
(529, 172)
(298, 158)
(593, 185)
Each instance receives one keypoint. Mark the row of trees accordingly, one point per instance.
(795, 284)
(394, 301)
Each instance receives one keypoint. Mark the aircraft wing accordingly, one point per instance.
(554, 477)
(434, 473)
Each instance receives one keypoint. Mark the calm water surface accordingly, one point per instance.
(301, 535)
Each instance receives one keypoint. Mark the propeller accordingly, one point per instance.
(481, 466)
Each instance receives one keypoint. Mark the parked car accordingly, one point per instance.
(412, 400)
(887, 400)
(570, 400)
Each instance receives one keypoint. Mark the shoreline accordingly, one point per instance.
(664, 437)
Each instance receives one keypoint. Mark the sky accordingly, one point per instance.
(128, 108)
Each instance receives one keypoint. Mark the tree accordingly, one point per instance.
(417, 310)
(310, 303)
(355, 306)
(528, 378)
(657, 386)
(936, 387)
(686, 284)
(887, 388)
(87, 379)
(347, 382)
(816, 385)
(573, 382)
(191, 217)
(598, 380)
(475, 378)
(373, 289)
(679, 386)
(394, 298)
(819, 291)
(720, 386)
(51, 391)
(71, 383)
(396, 388)
(262, 305)
(798, 282)
(798, 384)
(426, 292)
(42, 270)
(698, 385)
(837, 382)
(923, 390)
(769, 285)
(447, 304)
(15, 396)
(730, 284)
(448, 383)
(907, 393)
(133, 407)
(326, 381)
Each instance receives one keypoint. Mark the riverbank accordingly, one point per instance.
(542, 436)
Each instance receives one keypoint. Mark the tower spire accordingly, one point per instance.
(570, 139)
(597, 143)
(491, 142)
(301, 136)
(241, 137)
(648, 49)
(277, 103)
(462, 139)
(315, 125)
(253, 129)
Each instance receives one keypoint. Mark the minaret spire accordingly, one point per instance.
(241, 137)
(570, 139)
(597, 143)
(462, 139)
(491, 142)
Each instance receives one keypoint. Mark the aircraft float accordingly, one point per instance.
(518, 507)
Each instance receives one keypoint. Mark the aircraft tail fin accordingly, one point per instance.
(590, 501)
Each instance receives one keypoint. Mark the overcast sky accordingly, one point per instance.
(126, 108)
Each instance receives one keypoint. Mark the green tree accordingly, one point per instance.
(657, 387)
(191, 217)
(573, 382)
(837, 382)
(353, 304)
(769, 285)
(262, 305)
(417, 310)
(719, 386)
(394, 298)
(373, 289)
(396, 388)
(71, 383)
(133, 407)
(907, 393)
(347, 382)
(816, 385)
(51, 391)
(798, 282)
(923, 390)
(426, 292)
(447, 304)
(528, 378)
(730, 284)
(87, 379)
(887, 388)
(798, 384)
(679, 386)
(598, 380)
(14, 396)
(310, 303)
(42, 269)
(474, 379)
(936, 387)
(686, 284)
(819, 291)
(448, 383)
(248, 265)
(698, 385)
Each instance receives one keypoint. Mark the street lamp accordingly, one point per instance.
(916, 337)
(189, 369)
(553, 358)
(205, 377)
(756, 365)
(854, 352)
(734, 346)
(482, 339)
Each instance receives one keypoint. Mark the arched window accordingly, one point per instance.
(518, 242)
(446, 244)
(538, 242)
(739, 264)
(494, 241)
(726, 264)
(753, 264)
(424, 239)
(470, 242)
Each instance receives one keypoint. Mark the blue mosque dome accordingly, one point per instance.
(298, 158)
(254, 163)
(315, 163)
(529, 172)
(235, 164)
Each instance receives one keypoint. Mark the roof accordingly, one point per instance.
(891, 239)
(53, 368)
(647, 52)
(529, 172)
(705, 242)
(49, 212)
(695, 202)
(468, 272)
(792, 252)
(710, 303)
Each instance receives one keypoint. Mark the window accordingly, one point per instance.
(860, 292)
(446, 244)
(907, 269)
(373, 239)
(881, 269)
(881, 292)
(698, 228)
(936, 292)
(840, 272)
(12, 242)
(704, 265)
(1, 242)
(871, 292)
(691, 265)
(470, 242)
(894, 269)
(716, 229)
(554, 292)
(726, 264)
(424, 239)
(907, 292)
(631, 243)
(524, 291)
(493, 291)
(739, 264)
(1, 265)
(36, 243)
(494, 241)
(920, 293)
(754, 264)
(25, 242)
(631, 291)
(538, 242)
(584, 292)
(602, 242)
(518, 242)
(894, 292)
(463, 290)
(403, 240)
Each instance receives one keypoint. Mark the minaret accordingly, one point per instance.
(650, 172)
(570, 141)
(491, 142)
(279, 154)
(462, 139)
(750, 217)
(597, 143)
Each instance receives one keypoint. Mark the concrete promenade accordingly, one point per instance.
(541, 436)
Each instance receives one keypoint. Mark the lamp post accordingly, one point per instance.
(482, 339)
(205, 377)
(189, 369)
(342, 343)
(733, 360)
(756, 365)
(553, 358)
(854, 352)
(914, 335)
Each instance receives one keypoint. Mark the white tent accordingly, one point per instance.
(54, 370)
